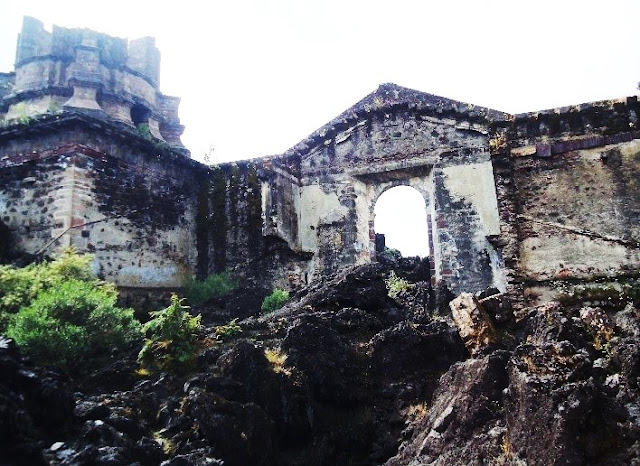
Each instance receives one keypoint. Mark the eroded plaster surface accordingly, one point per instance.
(474, 184)
(317, 207)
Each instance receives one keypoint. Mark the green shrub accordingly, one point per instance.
(396, 285)
(217, 285)
(71, 266)
(171, 338)
(48, 341)
(390, 254)
(60, 314)
(228, 331)
(67, 325)
(274, 301)
(20, 286)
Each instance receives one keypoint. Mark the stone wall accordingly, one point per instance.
(151, 217)
(6, 83)
(529, 204)
(573, 191)
(230, 218)
(393, 137)
(90, 157)
(72, 180)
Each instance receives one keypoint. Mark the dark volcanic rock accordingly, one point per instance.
(626, 344)
(286, 402)
(198, 457)
(399, 352)
(240, 433)
(363, 287)
(333, 369)
(556, 399)
(246, 364)
(35, 408)
(417, 303)
(111, 375)
(498, 307)
(346, 375)
(462, 423)
(553, 383)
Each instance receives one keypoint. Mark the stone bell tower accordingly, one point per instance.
(87, 71)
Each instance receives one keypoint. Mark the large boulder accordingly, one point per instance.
(462, 424)
(415, 351)
(566, 402)
(240, 434)
(271, 387)
(474, 324)
(363, 287)
(334, 371)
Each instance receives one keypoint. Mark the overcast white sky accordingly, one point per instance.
(257, 76)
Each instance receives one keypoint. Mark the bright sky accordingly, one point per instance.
(402, 217)
(257, 76)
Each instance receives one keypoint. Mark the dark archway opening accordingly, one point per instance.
(140, 115)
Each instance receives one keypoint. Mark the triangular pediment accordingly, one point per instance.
(390, 97)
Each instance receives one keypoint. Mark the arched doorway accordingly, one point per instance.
(401, 216)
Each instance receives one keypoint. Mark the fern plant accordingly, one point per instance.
(171, 338)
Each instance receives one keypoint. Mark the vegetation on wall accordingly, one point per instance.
(607, 295)
(144, 131)
(229, 216)
(218, 219)
(202, 228)
(6, 243)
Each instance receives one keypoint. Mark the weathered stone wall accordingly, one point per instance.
(230, 217)
(72, 180)
(151, 217)
(31, 200)
(90, 156)
(280, 201)
(6, 84)
(466, 219)
(395, 137)
(574, 194)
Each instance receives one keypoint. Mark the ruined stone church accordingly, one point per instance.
(91, 157)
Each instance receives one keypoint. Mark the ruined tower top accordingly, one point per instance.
(90, 72)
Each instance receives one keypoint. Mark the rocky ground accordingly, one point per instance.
(346, 375)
